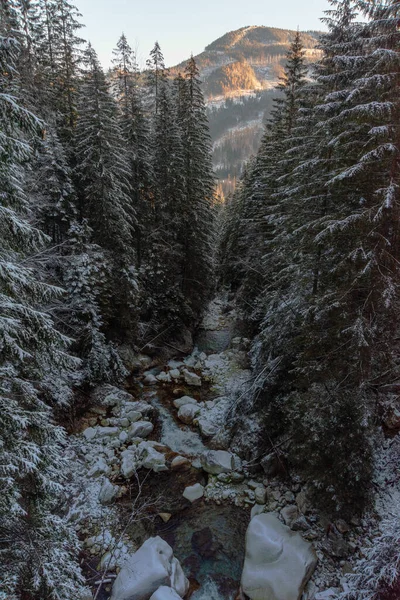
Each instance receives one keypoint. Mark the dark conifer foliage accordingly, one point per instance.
(92, 235)
(319, 280)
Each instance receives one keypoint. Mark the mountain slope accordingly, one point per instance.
(240, 71)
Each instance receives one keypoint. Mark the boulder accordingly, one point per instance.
(187, 413)
(183, 401)
(130, 463)
(165, 593)
(139, 406)
(278, 562)
(217, 461)
(207, 427)
(180, 463)
(104, 432)
(133, 416)
(151, 459)
(108, 492)
(140, 429)
(191, 378)
(179, 582)
(144, 572)
(193, 492)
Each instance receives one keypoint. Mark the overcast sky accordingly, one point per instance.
(182, 27)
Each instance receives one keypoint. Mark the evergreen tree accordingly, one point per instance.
(156, 74)
(104, 191)
(35, 540)
(162, 274)
(197, 221)
(135, 127)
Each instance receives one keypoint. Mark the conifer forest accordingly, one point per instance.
(199, 396)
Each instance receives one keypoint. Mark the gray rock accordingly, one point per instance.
(175, 373)
(108, 492)
(90, 433)
(303, 502)
(260, 495)
(187, 413)
(289, 514)
(151, 567)
(140, 429)
(191, 378)
(133, 416)
(150, 379)
(207, 427)
(165, 593)
(103, 432)
(99, 468)
(130, 463)
(183, 401)
(278, 562)
(151, 459)
(217, 461)
(180, 463)
(193, 492)
(164, 377)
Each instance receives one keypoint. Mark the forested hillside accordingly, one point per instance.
(199, 400)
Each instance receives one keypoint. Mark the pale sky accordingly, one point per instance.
(183, 27)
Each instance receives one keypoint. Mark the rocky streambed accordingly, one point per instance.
(166, 511)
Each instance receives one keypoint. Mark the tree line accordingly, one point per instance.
(311, 250)
(106, 236)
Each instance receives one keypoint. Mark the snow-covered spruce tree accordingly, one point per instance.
(86, 273)
(163, 303)
(344, 225)
(37, 546)
(265, 210)
(104, 194)
(135, 127)
(156, 76)
(196, 232)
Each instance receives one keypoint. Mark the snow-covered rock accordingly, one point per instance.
(90, 433)
(183, 401)
(278, 562)
(143, 573)
(150, 379)
(187, 413)
(191, 378)
(151, 459)
(165, 593)
(163, 377)
(175, 373)
(130, 463)
(194, 492)
(99, 468)
(207, 427)
(217, 461)
(105, 432)
(179, 581)
(108, 492)
(140, 429)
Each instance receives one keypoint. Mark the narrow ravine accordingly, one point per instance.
(151, 466)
